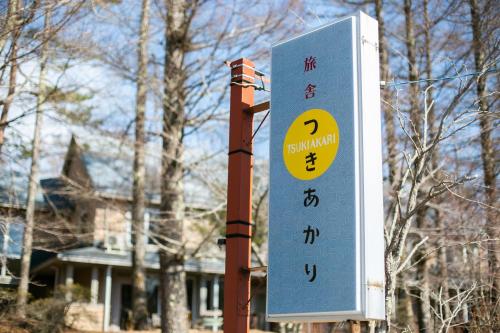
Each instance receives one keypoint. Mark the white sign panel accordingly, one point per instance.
(326, 247)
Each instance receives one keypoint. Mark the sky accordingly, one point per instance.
(112, 31)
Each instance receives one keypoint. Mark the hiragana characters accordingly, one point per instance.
(311, 199)
(314, 122)
(312, 233)
(309, 272)
(310, 161)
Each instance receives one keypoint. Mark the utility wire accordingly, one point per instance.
(384, 84)
(395, 84)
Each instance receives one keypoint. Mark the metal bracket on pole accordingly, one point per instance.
(264, 106)
(235, 78)
(255, 269)
(257, 72)
(244, 80)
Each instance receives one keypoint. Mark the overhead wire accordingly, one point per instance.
(394, 84)
(384, 84)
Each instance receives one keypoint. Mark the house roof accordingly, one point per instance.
(109, 165)
(111, 175)
(99, 256)
(14, 189)
(56, 193)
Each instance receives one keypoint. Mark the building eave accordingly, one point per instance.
(97, 256)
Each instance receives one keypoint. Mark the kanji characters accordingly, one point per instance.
(310, 199)
(309, 64)
(310, 91)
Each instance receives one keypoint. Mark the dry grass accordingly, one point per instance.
(6, 327)
(150, 331)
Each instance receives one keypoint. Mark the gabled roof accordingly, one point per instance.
(109, 174)
(56, 193)
(108, 165)
(107, 168)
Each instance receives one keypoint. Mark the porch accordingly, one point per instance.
(107, 277)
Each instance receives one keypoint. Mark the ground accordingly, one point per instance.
(5, 328)
(157, 331)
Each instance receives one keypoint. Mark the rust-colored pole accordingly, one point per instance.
(239, 200)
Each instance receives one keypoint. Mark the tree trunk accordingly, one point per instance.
(390, 137)
(411, 323)
(488, 152)
(433, 128)
(390, 132)
(411, 51)
(22, 290)
(390, 290)
(396, 241)
(140, 309)
(172, 275)
(443, 264)
(423, 267)
(13, 24)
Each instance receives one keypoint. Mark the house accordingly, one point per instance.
(86, 211)
(13, 196)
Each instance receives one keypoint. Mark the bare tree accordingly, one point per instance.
(22, 290)
(390, 132)
(181, 93)
(23, 46)
(14, 27)
(488, 152)
(139, 298)
(442, 258)
(172, 275)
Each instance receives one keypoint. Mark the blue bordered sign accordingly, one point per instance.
(326, 210)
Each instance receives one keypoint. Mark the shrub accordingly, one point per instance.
(46, 315)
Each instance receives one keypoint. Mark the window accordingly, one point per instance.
(221, 293)
(152, 217)
(146, 227)
(84, 222)
(189, 288)
(128, 227)
(152, 294)
(14, 239)
(211, 295)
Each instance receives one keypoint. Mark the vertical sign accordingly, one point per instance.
(326, 210)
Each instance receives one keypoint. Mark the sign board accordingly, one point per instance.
(326, 247)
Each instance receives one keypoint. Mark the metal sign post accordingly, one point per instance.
(239, 194)
(326, 259)
(239, 200)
